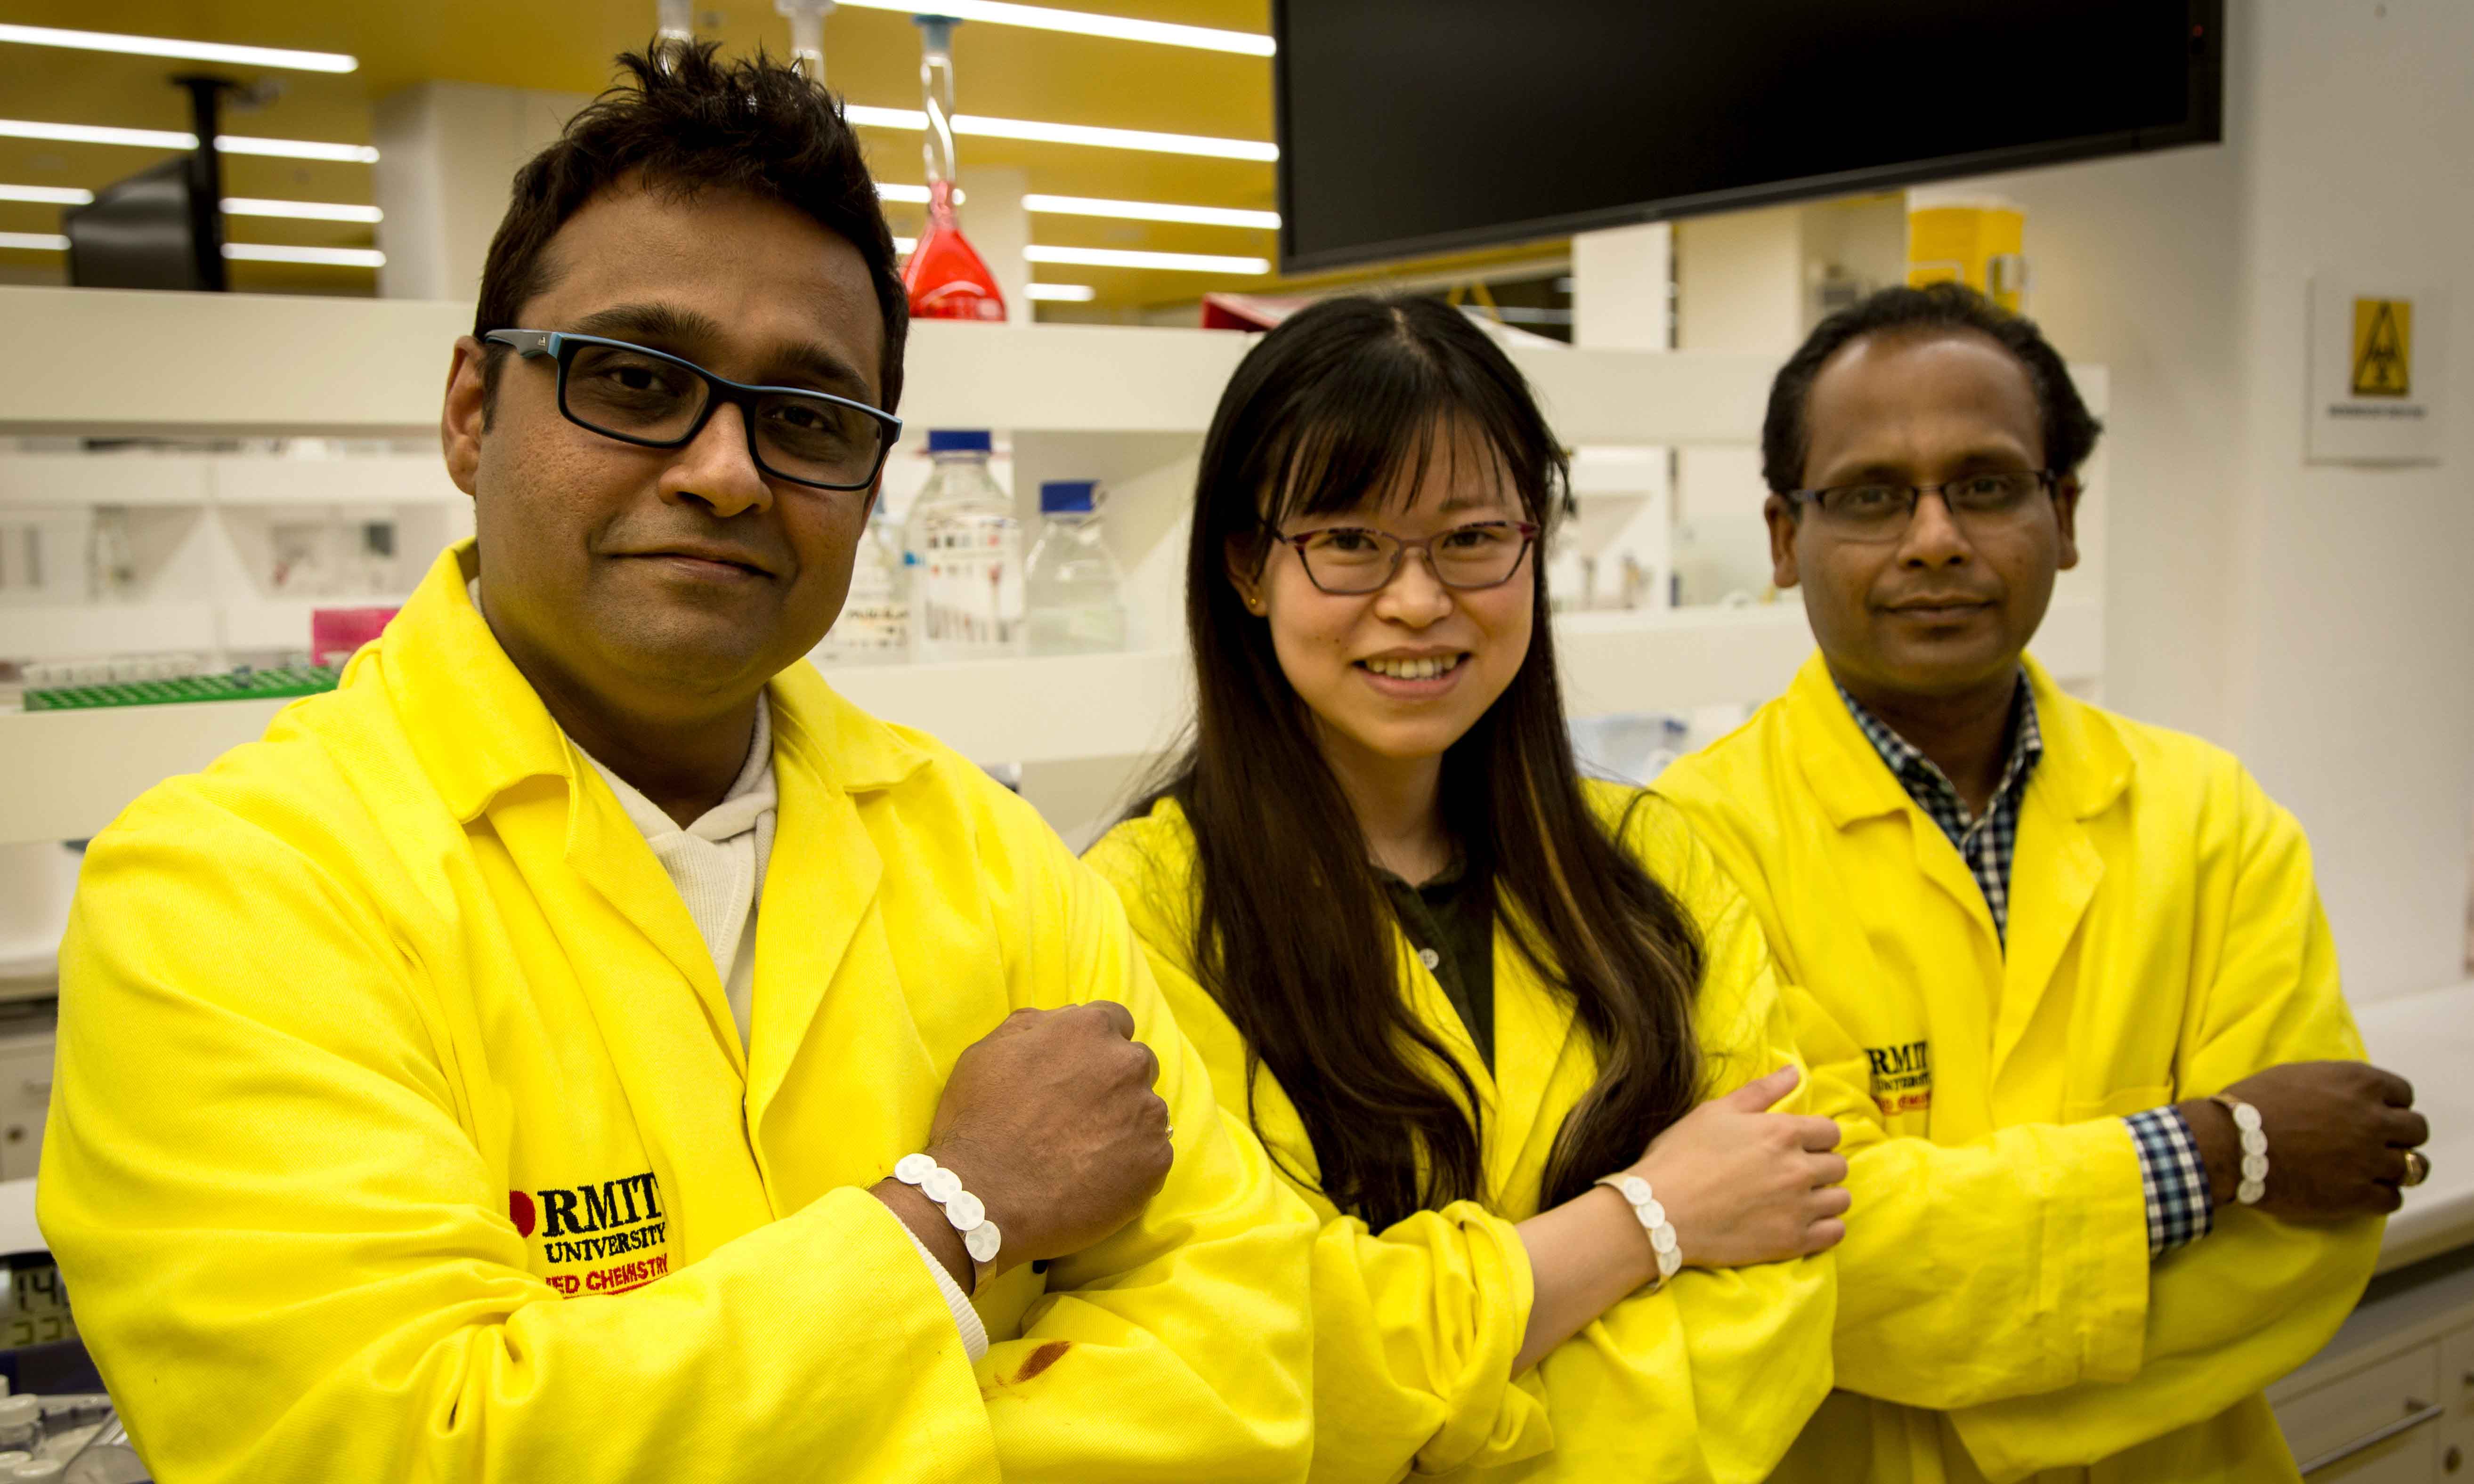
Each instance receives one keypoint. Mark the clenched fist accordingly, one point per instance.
(1051, 1121)
(2337, 1136)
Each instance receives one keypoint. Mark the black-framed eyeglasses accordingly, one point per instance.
(1881, 512)
(654, 400)
(1352, 560)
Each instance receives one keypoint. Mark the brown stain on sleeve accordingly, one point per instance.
(1041, 1359)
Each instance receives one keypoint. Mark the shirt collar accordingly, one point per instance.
(1920, 776)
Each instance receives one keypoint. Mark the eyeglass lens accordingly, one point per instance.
(630, 395)
(1353, 561)
(1884, 510)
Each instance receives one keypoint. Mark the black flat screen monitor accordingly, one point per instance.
(1446, 125)
(146, 232)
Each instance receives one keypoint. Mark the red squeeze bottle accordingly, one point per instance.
(945, 278)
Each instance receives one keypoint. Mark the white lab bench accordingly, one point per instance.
(2390, 1400)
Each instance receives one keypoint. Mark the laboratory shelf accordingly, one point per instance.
(277, 365)
(93, 629)
(90, 764)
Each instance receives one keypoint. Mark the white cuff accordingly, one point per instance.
(966, 1319)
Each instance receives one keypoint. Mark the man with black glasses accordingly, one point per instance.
(585, 1048)
(2116, 1162)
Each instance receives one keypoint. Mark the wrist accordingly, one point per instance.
(2219, 1145)
(927, 1222)
(1659, 1241)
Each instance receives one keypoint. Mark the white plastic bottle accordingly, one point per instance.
(963, 549)
(21, 1421)
(874, 627)
(1074, 588)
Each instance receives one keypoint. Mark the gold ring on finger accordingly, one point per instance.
(2418, 1167)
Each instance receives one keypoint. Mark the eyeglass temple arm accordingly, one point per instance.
(528, 343)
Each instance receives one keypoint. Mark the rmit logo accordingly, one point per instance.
(1916, 1056)
(579, 1210)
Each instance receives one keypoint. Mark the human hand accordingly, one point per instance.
(1743, 1185)
(1050, 1119)
(2337, 1136)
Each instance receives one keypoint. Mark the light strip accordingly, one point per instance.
(1040, 18)
(1115, 257)
(34, 242)
(1060, 292)
(301, 210)
(902, 246)
(48, 195)
(182, 139)
(190, 51)
(1151, 211)
(335, 257)
(973, 123)
(908, 195)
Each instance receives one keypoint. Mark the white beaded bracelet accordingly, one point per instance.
(2254, 1148)
(1645, 1208)
(981, 1238)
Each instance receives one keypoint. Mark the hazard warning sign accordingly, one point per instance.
(2379, 370)
(2383, 348)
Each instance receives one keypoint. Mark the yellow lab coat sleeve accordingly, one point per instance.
(311, 1176)
(2258, 1295)
(1417, 1326)
(1189, 1329)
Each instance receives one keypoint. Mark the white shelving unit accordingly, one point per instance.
(1128, 406)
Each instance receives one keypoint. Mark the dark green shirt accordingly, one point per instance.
(1450, 920)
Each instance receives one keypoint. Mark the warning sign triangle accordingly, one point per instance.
(2380, 362)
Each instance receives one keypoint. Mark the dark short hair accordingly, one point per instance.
(2069, 431)
(685, 123)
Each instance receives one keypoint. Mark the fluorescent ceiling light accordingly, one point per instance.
(301, 210)
(1151, 211)
(1061, 292)
(37, 242)
(292, 149)
(908, 195)
(1040, 18)
(270, 252)
(973, 123)
(902, 246)
(1113, 257)
(182, 139)
(188, 51)
(49, 195)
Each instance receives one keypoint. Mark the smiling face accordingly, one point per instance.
(1949, 605)
(667, 583)
(1396, 675)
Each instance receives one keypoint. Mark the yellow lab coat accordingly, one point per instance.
(1417, 1326)
(403, 1129)
(2000, 1317)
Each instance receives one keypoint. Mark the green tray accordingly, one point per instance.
(238, 685)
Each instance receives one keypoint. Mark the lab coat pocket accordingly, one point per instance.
(1004, 1302)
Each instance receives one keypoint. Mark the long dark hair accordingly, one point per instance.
(1330, 409)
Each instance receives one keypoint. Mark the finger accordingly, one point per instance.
(1823, 1235)
(1833, 1201)
(1119, 1018)
(1151, 1064)
(1020, 1019)
(1758, 1094)
(2402, 1128)
(1817, 1135)
(1828, 1169)
(2392, 1088)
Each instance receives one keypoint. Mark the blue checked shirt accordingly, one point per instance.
(2179, 1210)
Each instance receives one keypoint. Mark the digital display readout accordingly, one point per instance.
(37, 1311)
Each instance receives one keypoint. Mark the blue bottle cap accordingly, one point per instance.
(1065, 495)
(958, 440)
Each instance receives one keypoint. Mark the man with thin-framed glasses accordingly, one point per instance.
(2116, 1163)
(584, 1047)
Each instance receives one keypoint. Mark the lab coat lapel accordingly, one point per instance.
(1532, 1041)
(2057, 868)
